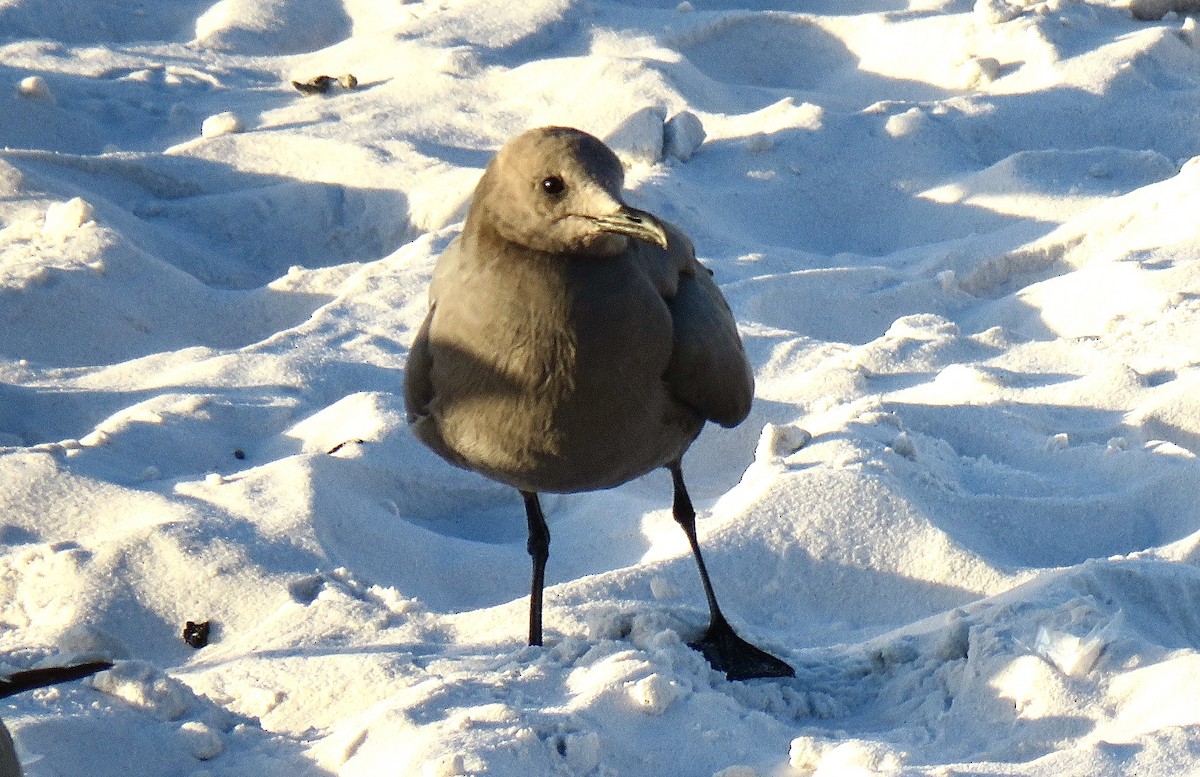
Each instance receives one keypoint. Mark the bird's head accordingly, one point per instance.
(558, 190)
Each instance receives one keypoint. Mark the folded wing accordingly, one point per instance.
(708, 370)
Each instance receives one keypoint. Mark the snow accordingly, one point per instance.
(960, 239)
(221, 124)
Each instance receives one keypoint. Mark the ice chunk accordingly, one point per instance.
(202, 742)
(654, 694)
(144, 686)
(63, 218)
(34, 87)
(1073, 656)
(639, 139)
(683, 135)
(221, 124)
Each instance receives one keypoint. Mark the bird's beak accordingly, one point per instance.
(634, 223)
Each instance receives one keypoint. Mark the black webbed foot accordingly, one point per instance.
(737, 658)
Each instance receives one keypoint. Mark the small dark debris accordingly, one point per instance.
(343, 444)
(196, 634)
(318, 85)
(239, 454)
(322, 84)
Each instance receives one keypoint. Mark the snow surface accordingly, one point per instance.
(961, 239)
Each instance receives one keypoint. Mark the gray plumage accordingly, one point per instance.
(572, 343)
(10, 765)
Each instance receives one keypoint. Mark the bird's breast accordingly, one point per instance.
(552, 379)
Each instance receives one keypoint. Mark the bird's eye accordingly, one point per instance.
(553, 185)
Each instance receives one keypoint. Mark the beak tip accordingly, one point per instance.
(638, 225)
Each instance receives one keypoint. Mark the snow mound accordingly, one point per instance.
(272, 26)
(963, 506)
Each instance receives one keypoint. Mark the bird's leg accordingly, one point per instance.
(685, 516)
(539, 551)
(724, 649)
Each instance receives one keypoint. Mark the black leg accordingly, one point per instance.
(685, 516)
(39, 678)
(539, 551)
(724, 649)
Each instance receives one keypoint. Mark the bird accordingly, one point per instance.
(574, 343)
(10, 765)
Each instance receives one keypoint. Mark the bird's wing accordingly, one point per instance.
(708, 370)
